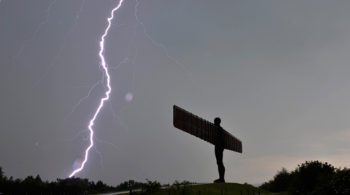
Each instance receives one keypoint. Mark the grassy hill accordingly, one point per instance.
(211, 189)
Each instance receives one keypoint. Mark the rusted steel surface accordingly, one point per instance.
(203, 129)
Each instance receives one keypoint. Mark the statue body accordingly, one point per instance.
(219, 151)
(210, 132)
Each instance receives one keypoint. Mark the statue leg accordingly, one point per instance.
(222, 171)
(219, 161)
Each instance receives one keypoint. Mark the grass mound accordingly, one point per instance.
(211, 189)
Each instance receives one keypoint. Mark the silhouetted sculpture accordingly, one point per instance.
(212, 133)
(219, 150)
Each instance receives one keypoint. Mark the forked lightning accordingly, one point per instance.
(104, 66)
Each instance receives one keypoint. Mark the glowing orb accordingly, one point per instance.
(129, 97)
(77, 163)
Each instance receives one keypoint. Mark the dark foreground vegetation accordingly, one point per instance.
(35, 185)
(311, 177)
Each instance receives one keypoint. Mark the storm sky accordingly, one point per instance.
(275, 71)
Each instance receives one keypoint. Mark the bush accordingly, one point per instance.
(280, 182)
(311, 177)
(151, 187)
(340, 183)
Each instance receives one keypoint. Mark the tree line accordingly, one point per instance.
(35, 185)
(311, 177)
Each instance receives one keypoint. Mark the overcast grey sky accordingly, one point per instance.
(275, 71)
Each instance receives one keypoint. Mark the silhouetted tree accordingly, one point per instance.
(1, 173)
(131, 184)
(340, 183)
(35, 185)
(280, 182)
(32, 185)
(311, 177)
(151, 187)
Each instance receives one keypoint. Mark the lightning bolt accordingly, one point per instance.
(104, 66)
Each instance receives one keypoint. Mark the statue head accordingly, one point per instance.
(217, 121)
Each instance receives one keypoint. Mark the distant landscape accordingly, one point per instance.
(310, 177)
